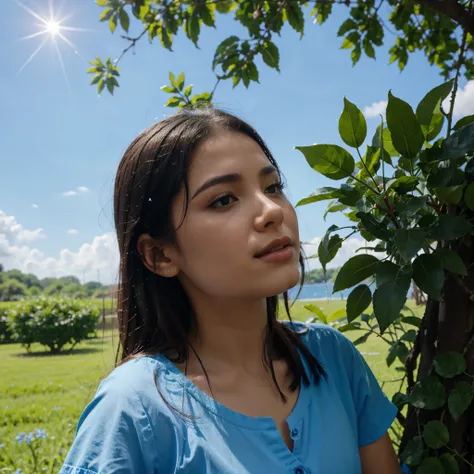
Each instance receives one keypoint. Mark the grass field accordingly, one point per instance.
(49, 392)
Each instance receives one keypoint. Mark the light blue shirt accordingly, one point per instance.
(129, 428)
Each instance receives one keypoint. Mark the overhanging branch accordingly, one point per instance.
(454, 10)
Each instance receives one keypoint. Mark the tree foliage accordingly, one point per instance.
(414, 207)
(433, 27)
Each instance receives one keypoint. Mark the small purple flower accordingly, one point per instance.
(29, 438)
(18, 471)
(2, 445)
(20, 438)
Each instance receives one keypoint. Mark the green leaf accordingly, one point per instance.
(449, 364)
(469, 196)
(101, 3)
(106, 14)
(168, 89)
(386, 137)
(428, 394)
(397, 349)
(355, 54)
(347, 26)
(193, 28)
(188, 90)
(362, 339)
(355, 270)
(450, 194)
(374, 227)
(110, 86)
(225, 6)
(295, 16)
(352, 125)
(469, 171)
(368, 48)
(207, 15)
(404, 184)
(172, 79)
(96, 79)
(393, 283)
(459, 144)
(412, 320)
(124, 20)
(460, 398)
(428, 274)
(429, 113)
(166, 38)
(430, 466)
(331, 161)
(317, 311)
(338, 314)
(100, 85)
(328, 248)
(413, 452)
(399, 399)
(450, 227)
(173, 102)
(409, 336)
(409, 242)
(112, 23)
(436, 435)
(271, 55)
(451, 261)
(464, 121)
(180, 81)
(406, 132)
(334, 207)
(450, 465)
(358, 301)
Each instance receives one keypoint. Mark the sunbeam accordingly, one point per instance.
(54, 30)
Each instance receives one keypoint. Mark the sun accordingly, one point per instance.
(51, 29)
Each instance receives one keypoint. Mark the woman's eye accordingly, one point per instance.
(275, 188)
(222, 202)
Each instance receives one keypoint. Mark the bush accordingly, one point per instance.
(53, 322)
(6, 336)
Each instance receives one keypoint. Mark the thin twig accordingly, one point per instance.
(133, 41)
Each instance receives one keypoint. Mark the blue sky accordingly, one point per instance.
(59, 136)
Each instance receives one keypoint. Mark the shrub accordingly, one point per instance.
(6, 336)
(53, 322)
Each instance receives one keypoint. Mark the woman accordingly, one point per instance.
(209, 380)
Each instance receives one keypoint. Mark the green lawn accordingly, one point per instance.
(49, 392)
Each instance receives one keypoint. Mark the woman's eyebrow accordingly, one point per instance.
(231, 178)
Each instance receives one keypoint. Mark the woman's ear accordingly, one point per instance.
(156, 257)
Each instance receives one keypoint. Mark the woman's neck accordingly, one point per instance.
(230, 333)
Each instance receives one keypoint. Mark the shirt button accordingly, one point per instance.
(299, 470)
(294, 433)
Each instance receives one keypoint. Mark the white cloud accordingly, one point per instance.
(14, 232)
(347, 250)
(35, 206)
(464, 103)
(73, 231)
(376, 109)
(99, 255)
(75, 192)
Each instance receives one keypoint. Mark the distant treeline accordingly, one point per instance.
(16, 285)
(317, 275)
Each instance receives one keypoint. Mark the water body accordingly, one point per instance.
(318, 291)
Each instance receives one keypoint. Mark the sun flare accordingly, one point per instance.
(53, 27)
(50, 28)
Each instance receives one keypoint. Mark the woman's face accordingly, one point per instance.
(236, 209)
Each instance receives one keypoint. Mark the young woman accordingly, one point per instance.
(210, 381)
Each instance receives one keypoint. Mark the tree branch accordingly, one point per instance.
(453, 10)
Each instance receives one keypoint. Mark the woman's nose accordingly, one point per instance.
(270, 214)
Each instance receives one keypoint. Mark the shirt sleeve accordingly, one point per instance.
(375, 412)
(114, 434)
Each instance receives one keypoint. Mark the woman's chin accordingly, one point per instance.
(282, 283)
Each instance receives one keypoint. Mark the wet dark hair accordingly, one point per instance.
(155, 315)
